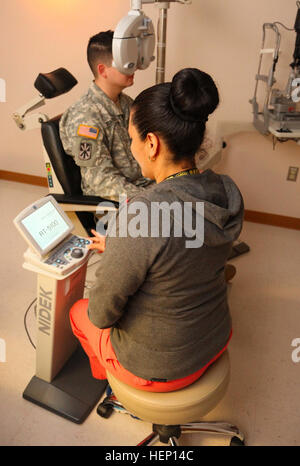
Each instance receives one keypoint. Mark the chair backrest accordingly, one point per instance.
(67, 172)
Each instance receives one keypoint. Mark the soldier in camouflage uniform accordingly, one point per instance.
(94, 129)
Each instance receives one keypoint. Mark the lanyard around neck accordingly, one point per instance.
(191, 171)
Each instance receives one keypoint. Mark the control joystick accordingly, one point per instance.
(77, 253)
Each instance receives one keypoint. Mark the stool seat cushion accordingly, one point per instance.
(189, 404)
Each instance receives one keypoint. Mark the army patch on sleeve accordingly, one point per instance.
(85, 151)
(88, 131)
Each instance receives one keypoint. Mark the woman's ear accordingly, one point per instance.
(153, 145)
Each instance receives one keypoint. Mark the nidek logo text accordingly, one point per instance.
(44, 311)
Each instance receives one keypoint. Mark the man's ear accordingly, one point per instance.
(101, 69)
(153, 145)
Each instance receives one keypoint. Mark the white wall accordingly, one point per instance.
(221, 37)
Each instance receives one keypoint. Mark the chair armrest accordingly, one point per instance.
(84, 203)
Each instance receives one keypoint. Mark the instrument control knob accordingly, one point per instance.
(77, 253)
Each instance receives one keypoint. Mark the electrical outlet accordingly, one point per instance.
(292, 173)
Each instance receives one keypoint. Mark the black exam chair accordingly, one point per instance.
(52, 85)
(73, 201)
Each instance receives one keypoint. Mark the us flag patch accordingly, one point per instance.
(88, 131)
(85, 151)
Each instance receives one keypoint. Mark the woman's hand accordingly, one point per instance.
(98, 242)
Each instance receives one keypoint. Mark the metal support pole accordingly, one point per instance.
(161, 41)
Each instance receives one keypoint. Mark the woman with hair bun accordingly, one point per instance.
(157, 315)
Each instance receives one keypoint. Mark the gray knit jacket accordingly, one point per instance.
(166, 303)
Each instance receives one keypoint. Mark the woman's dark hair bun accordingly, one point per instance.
(193, 95)
(177, 111)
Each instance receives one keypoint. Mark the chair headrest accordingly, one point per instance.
(56, 83)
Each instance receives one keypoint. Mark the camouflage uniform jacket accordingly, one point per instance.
(94, 131)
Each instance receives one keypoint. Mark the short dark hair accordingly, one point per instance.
(99, 50)
(177, 111)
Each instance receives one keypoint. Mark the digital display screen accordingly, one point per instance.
(45, 225)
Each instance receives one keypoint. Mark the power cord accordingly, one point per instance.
(32, 303)
(25, 321)
(285, 27)
(94, 263)
(89, 284)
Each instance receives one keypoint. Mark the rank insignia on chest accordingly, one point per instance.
(85, 151)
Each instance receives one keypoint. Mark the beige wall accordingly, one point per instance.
(220, 37)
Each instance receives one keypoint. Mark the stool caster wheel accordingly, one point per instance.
(237, 442)
(104, 410)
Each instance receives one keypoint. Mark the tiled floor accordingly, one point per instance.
(263, 395)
